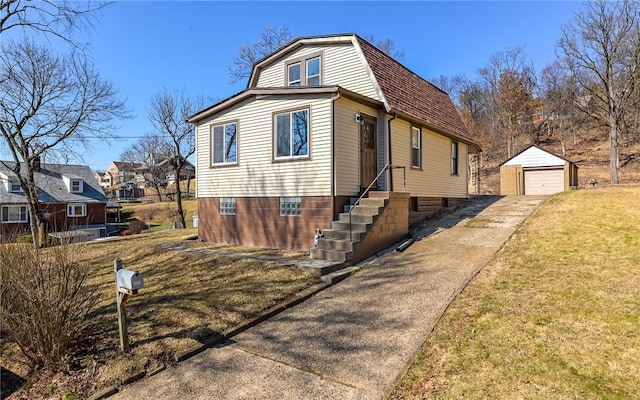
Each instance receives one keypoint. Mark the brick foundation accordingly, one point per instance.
(258, 222)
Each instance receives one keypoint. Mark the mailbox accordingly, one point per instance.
(130, 280)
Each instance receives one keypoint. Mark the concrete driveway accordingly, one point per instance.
(353, 340)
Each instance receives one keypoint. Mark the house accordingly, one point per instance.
(157, 167)
(121, 172)
(535, 171)
(323, 119)
(70, 198)
(104, 179)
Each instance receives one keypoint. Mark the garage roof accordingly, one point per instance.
(534, 156)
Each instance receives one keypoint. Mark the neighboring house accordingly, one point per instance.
(534, 171)
(319, 120)
(69, 195)
(121, 172)
(128, 191)
(159, 164)
(104, 179)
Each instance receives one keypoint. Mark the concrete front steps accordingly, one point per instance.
(336, 245)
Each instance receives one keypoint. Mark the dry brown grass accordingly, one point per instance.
(187, 297)
(555, 316)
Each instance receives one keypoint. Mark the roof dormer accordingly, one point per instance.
(74, 184)
(11, 183)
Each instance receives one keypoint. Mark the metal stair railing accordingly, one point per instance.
(366, 191)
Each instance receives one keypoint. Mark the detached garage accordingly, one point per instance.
(536, 171)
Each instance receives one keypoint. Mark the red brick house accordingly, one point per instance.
(70, 197)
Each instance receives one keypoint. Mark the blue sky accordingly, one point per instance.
(144, 46)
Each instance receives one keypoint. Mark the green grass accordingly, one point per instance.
(556, 315)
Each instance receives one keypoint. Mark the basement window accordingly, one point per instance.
(227, 206)
(290, 206)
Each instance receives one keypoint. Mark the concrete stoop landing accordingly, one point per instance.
(353, 239)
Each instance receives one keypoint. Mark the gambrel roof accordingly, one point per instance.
(406, 92)
(400, 90)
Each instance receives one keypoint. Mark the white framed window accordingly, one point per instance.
(228, 206)
(76, 210)
(294, 75)
(304, 71)
(290, 206)
(224, 143)
(14, 187)
(291, 134)
(416, 147)
(76, 186)
(454, 158)
(14, 214)
(313, 71)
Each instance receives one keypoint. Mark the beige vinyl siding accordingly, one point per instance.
(341, 65)
(434, 179)
(347, 133)
(256, 174)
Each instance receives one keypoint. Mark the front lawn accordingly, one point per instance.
(187, 298)
(556, 315)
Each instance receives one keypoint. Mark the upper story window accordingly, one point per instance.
(291, 131)
(15, 187)
(416, 147)
(14, 214)
(313, 72)
(76, 186)
(454, 158)
(304, 71)
(294, 74)
(224, 144)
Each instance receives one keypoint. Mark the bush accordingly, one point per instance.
(44, 300)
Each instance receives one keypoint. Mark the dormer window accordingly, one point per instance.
(74, 185)
(15, 187)
(304, 71)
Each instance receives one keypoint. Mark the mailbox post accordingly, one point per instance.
(127, 284)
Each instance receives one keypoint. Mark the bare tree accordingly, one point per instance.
(53, 18)
(601, 46)
(387, 46)
(559, 93)
(49, 104)
(151, 150)
(168, 113)
(250, 53)
(509, 80)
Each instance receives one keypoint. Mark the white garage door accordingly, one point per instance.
(544, 181)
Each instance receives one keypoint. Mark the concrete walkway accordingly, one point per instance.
(354, 339)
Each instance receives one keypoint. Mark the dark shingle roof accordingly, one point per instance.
(408, 93)
(51, 186)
